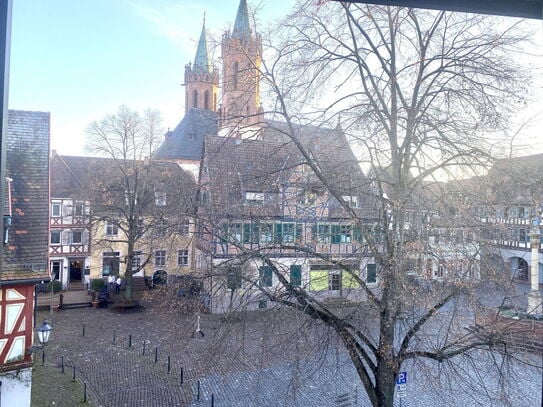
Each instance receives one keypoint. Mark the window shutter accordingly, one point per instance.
(85, 236)
(278, 232)
(336, 236)
(65, 236)
(295, 275)
(246, 233)
(371, 273)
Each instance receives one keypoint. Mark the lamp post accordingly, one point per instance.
(44, 331)
(534, 296)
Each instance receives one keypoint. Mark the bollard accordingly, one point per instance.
(130, 340)
(114, 338)
(61, 301)
(43, 357)
(62, 364)
(156, 354)
(198, 391)
(181, 375)
(212, 400)
(169, 365)
(85, 392)
(73, 376)
(83, 330)
(143, 353)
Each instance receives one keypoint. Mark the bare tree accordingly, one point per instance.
(145, 201)
(418, 93)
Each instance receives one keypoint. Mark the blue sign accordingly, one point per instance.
(402, 378)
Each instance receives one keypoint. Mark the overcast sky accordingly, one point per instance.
(82, 59)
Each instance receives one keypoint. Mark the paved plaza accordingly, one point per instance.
(265, 359)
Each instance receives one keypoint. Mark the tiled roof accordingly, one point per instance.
(27, 163)
(186, 140)
(236, 166)
(96, 179)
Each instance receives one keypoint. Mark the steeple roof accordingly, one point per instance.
(201, 61)
(242, 29)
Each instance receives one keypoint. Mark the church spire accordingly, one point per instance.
(201, 61)
(242, 28)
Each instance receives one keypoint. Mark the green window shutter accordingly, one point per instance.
(336, 234)
(318, 280)
(295, 275)
(266, 276)
(357, 234)
(246, 233)
(298, 231)
(371, 273)
(278, 232)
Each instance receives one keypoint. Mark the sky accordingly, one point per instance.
(82, 59)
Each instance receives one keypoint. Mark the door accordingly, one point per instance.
(76, 270)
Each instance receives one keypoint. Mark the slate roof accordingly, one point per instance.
(242, 28)
(236, 166)
(98, 180)
(186, 140)
(201, 61)
(27, 163)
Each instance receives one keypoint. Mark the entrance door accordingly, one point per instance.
(76, 270)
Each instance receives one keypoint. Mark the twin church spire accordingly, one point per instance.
(241, 52)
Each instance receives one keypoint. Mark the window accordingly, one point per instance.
(235, 76)
(184, 228)
(131, 198)
(440, 270)
(136, 261)
(266, 233)
(206, 100)
(76, 236)
(161, 227)
(265, 276)
(334, 280)
(110, 263)
(55, 269)
(195, 98)
(112, 229)
(160, 257)
(341, 233)
(352, 201)
(254, 198)
(55, 237)
(79, 209)
(56, 210)
(324, 233)
(183, 257)
(235, 232)
(233, 278)
(523, 236)
(295, 275)
(371, 273)
(160, 198)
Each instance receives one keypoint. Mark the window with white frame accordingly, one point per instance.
(79, 209)
(254, 198)
(351, 200)
(55, 237)
(184, 228)
(334, 280)
(160, 198)
(112, 229)
(160, 258)
(110, 263)
(136, 261)
(183, 257)
(56, 210)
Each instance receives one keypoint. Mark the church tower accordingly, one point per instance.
(201, 79)
(241, 53)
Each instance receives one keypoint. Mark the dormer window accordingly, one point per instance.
(254, 198)
(160, 198)
(351, 200)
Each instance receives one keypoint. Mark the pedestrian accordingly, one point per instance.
(111, 282)
(118, 285)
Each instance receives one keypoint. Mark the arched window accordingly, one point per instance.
(214, 100)
(195, 98)
(206, 100)
(235, 76)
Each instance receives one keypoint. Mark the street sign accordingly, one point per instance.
(402, 378)
(401, 390)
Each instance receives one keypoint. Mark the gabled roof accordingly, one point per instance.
(27, 164)
(186, 140)
(233, 167)
(99, 180)
(242, 28)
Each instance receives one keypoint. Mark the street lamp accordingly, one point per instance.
(43, 333)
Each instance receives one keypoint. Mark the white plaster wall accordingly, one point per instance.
(15, 388)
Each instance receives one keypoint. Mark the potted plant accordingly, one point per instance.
(96, 285)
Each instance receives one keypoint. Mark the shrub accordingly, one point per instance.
(97, 284)
(54, 285)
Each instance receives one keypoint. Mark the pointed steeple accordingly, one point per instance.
(242, 28)
(201, 61)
